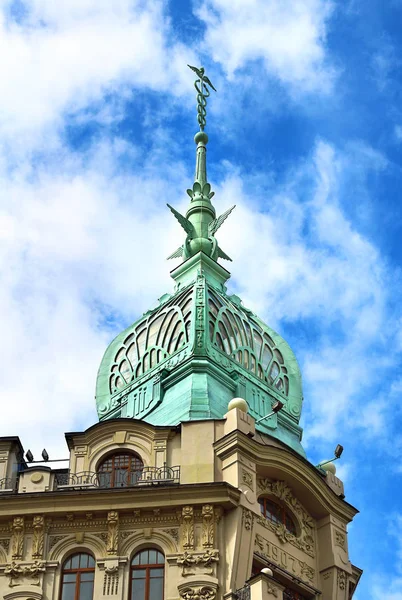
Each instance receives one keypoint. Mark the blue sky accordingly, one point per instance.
(97, 116)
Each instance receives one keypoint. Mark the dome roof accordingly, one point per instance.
(233, 338)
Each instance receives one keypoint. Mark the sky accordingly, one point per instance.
(97, 118)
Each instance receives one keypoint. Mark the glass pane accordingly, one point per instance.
(156, 572)
(67, 564)
(266, 357)
(68, 592)
(138, 589)
(88, 576)
(161, 558)
(152, 557)
(69, 577)
(75, 561)
(136, 560)
(86, 590)
(257, 343)
(156, 589)
(139, 573)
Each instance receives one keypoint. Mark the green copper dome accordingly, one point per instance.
(187, 358)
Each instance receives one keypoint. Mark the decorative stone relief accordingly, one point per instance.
(340, 539)
(208, 526)
(38, 526)
(112, 543)
(5, 543)
(279, 489)
(272, 590)
(188, 527)
(190, 561)
(102, 536)
(269, 551)
(55, 539)
(15, 571)
(173, 532)
(205, 592)
(247, 519)
(18, 538)
(247, 479)
(341, 579)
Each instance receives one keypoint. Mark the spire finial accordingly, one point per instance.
(200, 222)
(201, 85)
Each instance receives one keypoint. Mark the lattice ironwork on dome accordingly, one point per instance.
(242, 338)
(153, 340)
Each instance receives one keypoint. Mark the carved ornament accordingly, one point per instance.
(188, 527)
(279, 489)
(208, 526)
(15, 571)
(206, 561)
(18, 538)
(173, 532)
(272, 590)
(205, 592)
(38, 537)
(341, 579)
(112, 543)
(247, 479)
(247, 519)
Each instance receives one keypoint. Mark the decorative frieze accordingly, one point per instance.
(247, 479)
(55, 539)
(340, 539)
(304, 541)
(17, 528)
(269, 551)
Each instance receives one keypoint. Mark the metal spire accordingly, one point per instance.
(200, 222)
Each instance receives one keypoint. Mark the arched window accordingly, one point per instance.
(77, 581)
(121, 469)
(277, 514)
(147, 575)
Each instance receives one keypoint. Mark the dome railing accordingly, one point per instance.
(118, 478)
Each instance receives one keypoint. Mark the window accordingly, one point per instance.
(277, 514)
(78, 578)
(120, 470)
(147, 575)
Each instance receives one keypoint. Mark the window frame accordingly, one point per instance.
(116, 471)
(148, 568)
(77, 571)
(284, 512)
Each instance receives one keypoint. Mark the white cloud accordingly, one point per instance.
(288, 36)
(61, 57)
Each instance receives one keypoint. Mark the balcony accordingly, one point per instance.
(119, 478)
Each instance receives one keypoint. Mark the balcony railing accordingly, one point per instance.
(118, 478)
(243, 593)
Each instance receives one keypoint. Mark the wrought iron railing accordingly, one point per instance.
(243, 593)
(118, 478)
(8, 485)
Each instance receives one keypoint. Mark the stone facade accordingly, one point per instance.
(206, 519)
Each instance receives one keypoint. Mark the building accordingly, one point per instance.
(194, 484)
